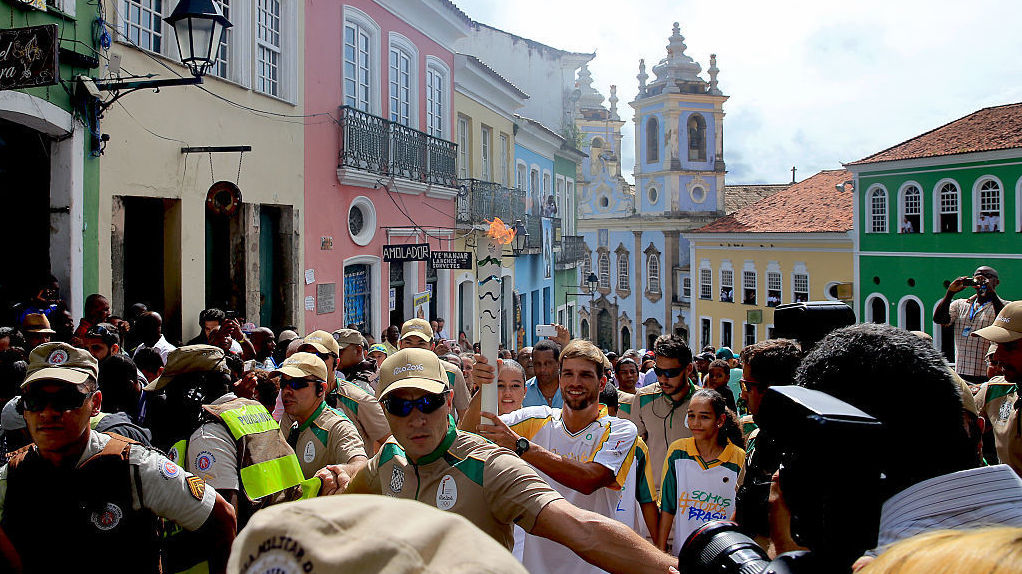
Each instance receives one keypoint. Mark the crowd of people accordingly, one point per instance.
(224, 453)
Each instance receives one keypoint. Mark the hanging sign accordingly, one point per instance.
(28, 57)
(407, 252)
(451, 259)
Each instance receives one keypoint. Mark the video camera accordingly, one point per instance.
(830, 480)
(809, 322)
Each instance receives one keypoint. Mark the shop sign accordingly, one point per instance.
(28, 57)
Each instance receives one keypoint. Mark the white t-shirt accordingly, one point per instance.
(697, 491)
(608, 441)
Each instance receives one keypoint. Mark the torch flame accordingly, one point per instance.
(500, 231)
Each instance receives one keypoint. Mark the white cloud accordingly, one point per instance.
(811, 83)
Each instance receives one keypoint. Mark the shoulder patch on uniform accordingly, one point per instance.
(196, 486)
(169, 470)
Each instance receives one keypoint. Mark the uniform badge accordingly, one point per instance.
(169, 470)
(173, 454)
(108, 518)
(397, 480)
(1005, 411)
(57, 357)
(310, 452)
(204, 461)
(447, 493)
(196, 486)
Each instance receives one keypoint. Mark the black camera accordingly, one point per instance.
(831, 482)
(968, 282)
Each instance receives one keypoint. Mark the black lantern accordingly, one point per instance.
(199, 26)
(591, 281)
(521, 240)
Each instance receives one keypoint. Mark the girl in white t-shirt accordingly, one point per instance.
(700, 473)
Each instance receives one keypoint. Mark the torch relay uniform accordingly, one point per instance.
(697, 491)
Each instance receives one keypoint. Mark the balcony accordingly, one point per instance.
(480, 201)
(573, 252)
(534, 225)
(372, 144)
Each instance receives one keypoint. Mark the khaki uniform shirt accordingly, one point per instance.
(365, 411)
(660, 421)
(468, 475)
(624, 403)
(997, 402)
(327, 437)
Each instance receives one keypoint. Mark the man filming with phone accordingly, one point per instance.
(966, 316)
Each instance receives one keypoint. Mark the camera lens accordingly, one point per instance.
(720, 547)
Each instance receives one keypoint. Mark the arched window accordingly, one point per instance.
(653, 273)
(911, 220)
(876, 309)
(604, 266)
(583, 326)
(948, 206)
(622, 272)
(696, 138)
(910, 314)
(878, 210)
(988, 200)
(597, 143)
(587, 268)
(652, 140)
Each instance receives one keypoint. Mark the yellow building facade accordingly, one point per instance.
(793, 246)
(484, 104)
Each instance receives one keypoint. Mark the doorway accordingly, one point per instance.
(397, 284)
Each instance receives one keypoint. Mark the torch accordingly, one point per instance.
(488, 264)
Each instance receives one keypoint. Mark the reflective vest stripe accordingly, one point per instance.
(177, 453)
(248, 419)
(310, 488)
(272, 476)
(200, 568)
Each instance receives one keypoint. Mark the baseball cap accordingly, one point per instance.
(321, 341)
(36, 323)
(412, 369)
(378, 347)
(417, 327)
(345, 337)
(1007, 327)
(286, 336)
(302, 365)
(725, 353)
(705, 356)
(190, 359)
(342, 534)
(60, 362)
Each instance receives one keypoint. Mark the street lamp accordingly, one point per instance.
(199, 26)
(521, 240)
(592, 280)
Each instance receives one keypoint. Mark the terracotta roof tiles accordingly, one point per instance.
(813, 205)
(738, 196)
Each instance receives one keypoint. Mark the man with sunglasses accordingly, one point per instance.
(101, 340)
(76, 493)
(428, 459)
(319, 435)
(417, 334)
(659, 409)
(359, 406)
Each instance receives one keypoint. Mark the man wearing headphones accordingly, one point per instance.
(319, 434)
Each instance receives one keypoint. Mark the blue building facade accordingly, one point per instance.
(632, 232)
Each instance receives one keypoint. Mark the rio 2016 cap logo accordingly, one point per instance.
(407, 368)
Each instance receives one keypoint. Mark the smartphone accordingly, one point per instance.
(546, 331)
(969, 282)
(231, 314)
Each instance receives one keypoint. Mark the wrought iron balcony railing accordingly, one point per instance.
(534, 225)
(480, 201)
(573, 251)
(374, 144)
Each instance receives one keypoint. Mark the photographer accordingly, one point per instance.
(966, 316)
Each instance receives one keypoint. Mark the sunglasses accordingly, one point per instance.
(403, 407)
(746, 385)
(668, 373)
(296, 384)
(67, 399)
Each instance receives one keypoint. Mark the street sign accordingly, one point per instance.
(28, 57)
(451, 259)
(844, 291)
(407, 252)
(754, 316)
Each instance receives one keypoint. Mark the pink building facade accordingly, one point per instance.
(382, 170)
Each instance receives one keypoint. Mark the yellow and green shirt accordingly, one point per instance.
(696, 491)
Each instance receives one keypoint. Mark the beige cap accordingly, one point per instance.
(418, 328)
(60, 362)
(321, 341)
(345, 337)
(968, 401)
(412, 369)
(190, 359)
(302, 365)
(343, 534)
(1007, 327)
(286, 336)
(36, 323)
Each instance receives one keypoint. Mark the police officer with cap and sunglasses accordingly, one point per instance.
(75, 493)
(428, 459)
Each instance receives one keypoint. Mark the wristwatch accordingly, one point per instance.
(521, 445)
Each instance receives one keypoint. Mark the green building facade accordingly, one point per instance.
(933, 209)
(568, 258)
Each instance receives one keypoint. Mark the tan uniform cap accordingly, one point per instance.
(342, 534)
(302, 365)
(60, 362)
(412, 369)
(190, 359)
(417, 328)
(346, 337)
(1007, 327)
(322, 341)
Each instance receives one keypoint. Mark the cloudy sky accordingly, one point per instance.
(811, 84)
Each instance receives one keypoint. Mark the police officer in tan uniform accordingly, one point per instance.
(359, 406)
(998, 399)
(428, 459)
(319, 434)
(76, 494)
